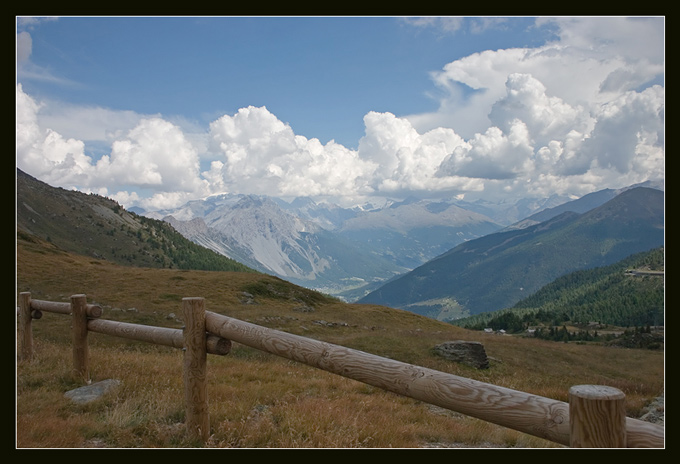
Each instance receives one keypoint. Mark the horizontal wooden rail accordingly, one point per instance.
(532, 414)
(158, 335)
(213, 333)
(64, 308)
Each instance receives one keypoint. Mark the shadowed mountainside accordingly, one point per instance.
(495, 271)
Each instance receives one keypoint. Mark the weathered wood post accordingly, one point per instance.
(195, 361)
(597, 417)
(25, 330)
(81, 352)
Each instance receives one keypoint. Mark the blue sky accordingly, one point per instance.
(155, 111)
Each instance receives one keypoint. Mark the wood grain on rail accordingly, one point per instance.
(521, 411)
(157, 335)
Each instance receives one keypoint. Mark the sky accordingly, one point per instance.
(157, 111)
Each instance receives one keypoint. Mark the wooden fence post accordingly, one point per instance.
(597, 417)
(81, 354)
(195, 361)
(25, 330)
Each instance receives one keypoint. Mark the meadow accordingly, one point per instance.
(257, 400)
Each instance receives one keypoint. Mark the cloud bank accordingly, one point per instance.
(572, 116)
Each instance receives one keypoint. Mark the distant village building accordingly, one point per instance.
(490, 331)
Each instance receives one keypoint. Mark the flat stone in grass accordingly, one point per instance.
(91, 392)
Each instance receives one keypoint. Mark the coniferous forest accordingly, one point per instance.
(588, 299)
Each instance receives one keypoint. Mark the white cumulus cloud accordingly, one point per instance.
(574, 115)
(154, 155)
(492, 155)
(628, 136)
(45, 153)
(404, 160)
(547, 118)
(258, 153)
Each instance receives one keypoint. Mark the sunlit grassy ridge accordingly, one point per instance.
(258, 400)
(96, 226)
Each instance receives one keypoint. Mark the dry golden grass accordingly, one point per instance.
(257, 400)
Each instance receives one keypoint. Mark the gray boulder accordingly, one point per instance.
(91, 392)
(469, 353)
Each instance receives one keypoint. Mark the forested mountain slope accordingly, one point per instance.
(498, 270)
(629, 293)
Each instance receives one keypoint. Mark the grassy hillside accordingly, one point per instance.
(99, 227)
(258, 400)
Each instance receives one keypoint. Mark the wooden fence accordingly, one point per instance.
(594, 417)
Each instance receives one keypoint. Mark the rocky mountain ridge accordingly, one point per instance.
(326, 247)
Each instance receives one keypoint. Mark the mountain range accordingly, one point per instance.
(349, 252)
(341, 251)
(497, 270)
(433, 257)
(254, 230)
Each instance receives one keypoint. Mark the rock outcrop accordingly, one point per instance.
(469, 353)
